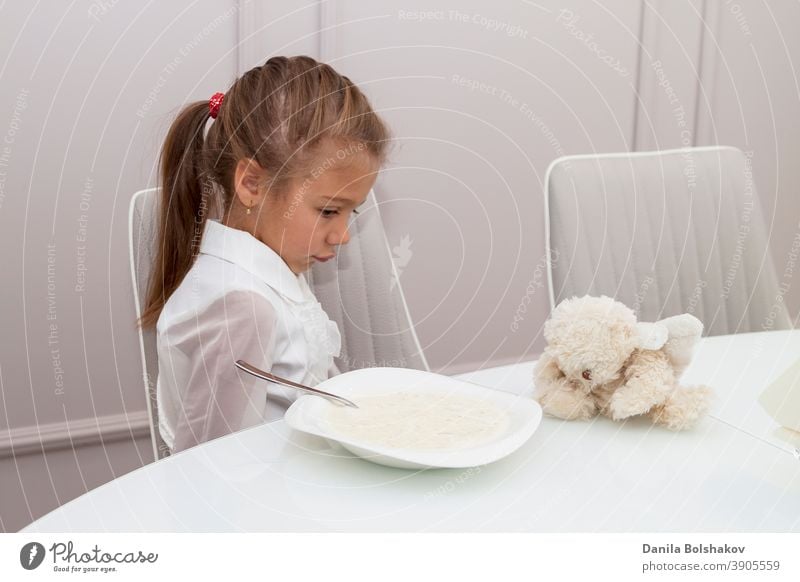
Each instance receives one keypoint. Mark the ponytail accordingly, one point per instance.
(184, 205)
(277, 114)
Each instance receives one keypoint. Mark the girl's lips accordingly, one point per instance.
(323, 259)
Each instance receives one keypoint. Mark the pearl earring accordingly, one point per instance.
(248, 210)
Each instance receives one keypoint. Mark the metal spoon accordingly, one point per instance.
(250, 369)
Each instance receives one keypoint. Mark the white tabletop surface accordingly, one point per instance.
(728, 474)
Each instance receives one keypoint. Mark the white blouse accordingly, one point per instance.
(239, 300)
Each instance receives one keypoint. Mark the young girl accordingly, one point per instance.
(292, 149)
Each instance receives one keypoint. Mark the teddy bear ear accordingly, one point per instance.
(651, 336)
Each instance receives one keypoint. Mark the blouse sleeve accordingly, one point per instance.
(217, 398)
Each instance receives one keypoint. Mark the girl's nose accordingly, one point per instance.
(339, 238)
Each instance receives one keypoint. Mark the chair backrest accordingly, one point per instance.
(359, 290)
(143, 232)
(665, 233)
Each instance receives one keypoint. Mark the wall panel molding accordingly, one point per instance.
(328, 19)
(281, 27)
(706, 133)
(26, 440)
(669, 70)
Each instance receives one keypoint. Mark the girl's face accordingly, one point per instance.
(310, 221)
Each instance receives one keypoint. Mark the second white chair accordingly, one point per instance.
(664, 232)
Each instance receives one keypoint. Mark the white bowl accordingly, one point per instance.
(309, 414)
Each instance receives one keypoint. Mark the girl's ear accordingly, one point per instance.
(248, 181)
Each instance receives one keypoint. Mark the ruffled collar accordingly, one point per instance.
(318, 327)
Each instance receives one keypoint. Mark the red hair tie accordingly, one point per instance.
(214, 104)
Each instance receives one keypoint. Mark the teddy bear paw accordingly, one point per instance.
(684, 408)
(626, 404)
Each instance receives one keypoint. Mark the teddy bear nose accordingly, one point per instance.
(587, 375)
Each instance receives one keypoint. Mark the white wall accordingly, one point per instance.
(463, 187)
(750, 98)
(88, 90)
(481, 97)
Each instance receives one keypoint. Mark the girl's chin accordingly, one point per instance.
(299, 268)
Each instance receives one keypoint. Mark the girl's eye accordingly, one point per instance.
(328, 212)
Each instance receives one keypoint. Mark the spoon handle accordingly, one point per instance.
(250, 369)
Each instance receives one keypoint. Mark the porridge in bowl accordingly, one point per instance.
(419, 420)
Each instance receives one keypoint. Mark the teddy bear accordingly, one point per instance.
(600, 360)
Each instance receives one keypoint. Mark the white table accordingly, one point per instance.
(728, 474)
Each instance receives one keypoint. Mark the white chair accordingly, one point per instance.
(360, 291)
(664, 232)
